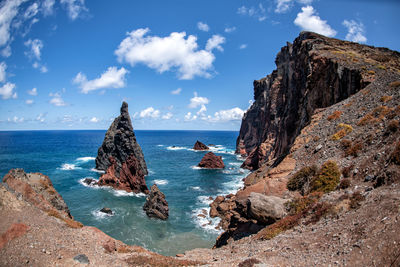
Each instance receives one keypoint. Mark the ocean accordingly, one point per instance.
(67, 157)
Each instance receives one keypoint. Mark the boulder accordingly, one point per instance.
(107, 211)
(211, 161)
(90, 181)
(156, 206)
(121, 157)
(266, 209)
(200, 146)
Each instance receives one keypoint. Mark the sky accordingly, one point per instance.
(180, 65)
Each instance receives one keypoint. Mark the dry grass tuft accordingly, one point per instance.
(344, 130)
(353, 150)
(335, 115)
(394, 84)
(70, 222)
(386, 98)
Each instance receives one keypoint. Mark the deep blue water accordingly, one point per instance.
(68, 156)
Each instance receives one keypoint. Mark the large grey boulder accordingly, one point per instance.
(265, 209)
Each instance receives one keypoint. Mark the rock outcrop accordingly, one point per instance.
(200, 146)
(266, 209)
(121, 157)
(309, 75)
(211, 161)
(156, 206)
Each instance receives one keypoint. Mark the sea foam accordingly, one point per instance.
(160, 182)
(69, 167)
(85, 159)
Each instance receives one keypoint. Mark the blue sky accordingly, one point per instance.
(68, 64)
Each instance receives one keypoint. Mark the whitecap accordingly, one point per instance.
(197, 188)
(150, 172)
(204, 221)
(85, 159)
(235, 164)
(206, 200)
(176, 148)
(88, 185)
(68, 167)
(160, 182)
(122, 193)
(98, 215)
(96, 170)
(195, 167)
(160, 145)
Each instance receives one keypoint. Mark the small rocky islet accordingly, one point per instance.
(322, 139)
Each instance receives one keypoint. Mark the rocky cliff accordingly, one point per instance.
(121, 156)
(310, 74)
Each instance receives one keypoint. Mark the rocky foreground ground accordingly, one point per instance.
(324, 191)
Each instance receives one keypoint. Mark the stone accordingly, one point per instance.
(121, 157)
(266, 209)
(318, 148)
(82, 258)
(156, 206)
(200, 146)
(89, 181)
(107, 211)
(211, 161)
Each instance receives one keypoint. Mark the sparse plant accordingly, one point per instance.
(303, 204)
(345, 143)
(302, 178)
(394, 84)
(344, 183)
(371, 72)
(346, 171)
(386, 98)
(335, 115)
(354, 149)
(365, 120)
(318, 211)
(327, 179)
(355, 200)
(381, 67)
(393, 126)
(395, 156)
(344, 130)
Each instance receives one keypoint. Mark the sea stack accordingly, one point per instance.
(121, 157)
(156, 206)
(211, 161)
(200, 146)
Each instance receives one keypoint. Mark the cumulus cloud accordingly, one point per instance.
(309, 20)
(176, 92)
(29, 102)
(41, 117)
(57, 100)
(257, 12)
(234, 114)
(230, 29)
(149, 112)
(3, 67)
(42, 68)
(197, 101)
(202, 110)
(35, 47)
(94, 120)
(74, 8)
(173, 52)
(283, 6)
(8, 11)
(167, 116)
(16, 119)
(215, 43)
(7, 91)
(31, 11)
(6, 52)
(48, 7)
(243, 46)
(203, 26)
(111, 78)
(190, 117)
(356, 31)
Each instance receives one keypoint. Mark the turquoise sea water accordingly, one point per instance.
(67, 157)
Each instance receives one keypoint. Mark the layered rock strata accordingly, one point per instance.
(211, 161)
(121, 157)
(156, 206)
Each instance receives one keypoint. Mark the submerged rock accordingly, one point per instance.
(200, 146)
(211, 161)
(107, 211)
(156, 206)
(121, 156)
(89, 181)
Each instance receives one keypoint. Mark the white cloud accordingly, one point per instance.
(16, 119)
(283, 6)
(41, 117)
(203, 26)
(356, 31)
(111, 78)
(94, 120)
(167, 116)
(42, 68)
(230, 29)
(234, 114)
(149, 112)
(29, 102)
(35, 48)
(177, 91)
(197, 101)
(243, 46)
(6, 52)
(190, 117)
(202, 110)
(309, 20)
(57, 100)
(215, 42)
(31, 11)
(3, 67)
(48, 7)
(8, 11)
(7, 91)
(258, 12)
(74, 8)
(174, 52)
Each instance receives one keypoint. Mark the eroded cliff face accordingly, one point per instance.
(310, 74)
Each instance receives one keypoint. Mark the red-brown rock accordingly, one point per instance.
(130, 177)
(200, 146)
(211, 161)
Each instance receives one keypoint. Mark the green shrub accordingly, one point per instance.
(301, 177)
(327, 179)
